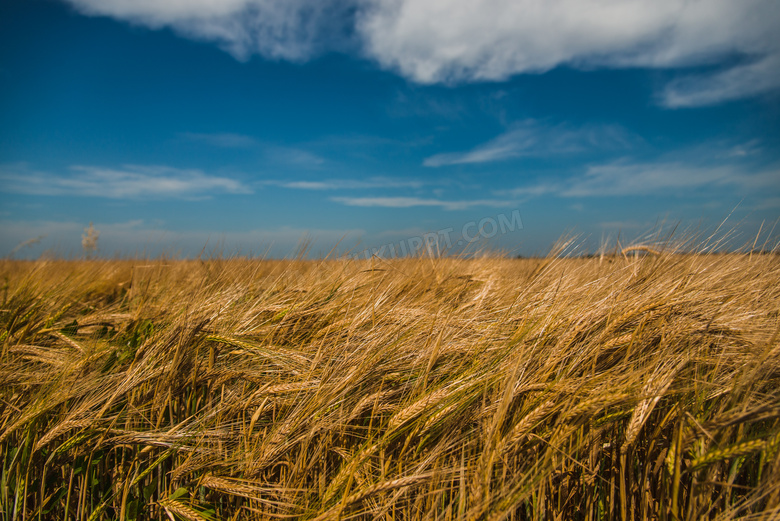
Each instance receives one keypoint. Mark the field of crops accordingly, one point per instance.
(639, 387)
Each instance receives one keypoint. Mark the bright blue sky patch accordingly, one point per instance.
(248, 125)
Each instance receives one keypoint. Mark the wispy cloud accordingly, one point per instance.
(348, 184)
(293, 156)
(415, 103)
(409, 202)
(750, 148)
(531, 138)
(662, 178)
(275, 153)
(294, 30)
(222, 140)
(127, 182)
(756, 77)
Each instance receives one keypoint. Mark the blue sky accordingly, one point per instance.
(247, 125)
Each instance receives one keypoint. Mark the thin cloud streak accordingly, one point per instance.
(533, 139)
(347, 184)
(409, 202)
(127, 182)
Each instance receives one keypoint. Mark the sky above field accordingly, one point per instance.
(246, 126)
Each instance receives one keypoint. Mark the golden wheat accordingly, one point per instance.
(643, 387)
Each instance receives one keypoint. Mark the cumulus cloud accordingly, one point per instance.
(531, 138)
(431, 41)
(449, 41)
(128, 182)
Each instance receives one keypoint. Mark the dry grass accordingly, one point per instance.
(623, 387)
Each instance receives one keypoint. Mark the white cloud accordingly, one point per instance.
(128, 182)
(409, 202)
(431, 41)
(530, 138)
(451, 41)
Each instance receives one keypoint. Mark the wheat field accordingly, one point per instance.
(621, 387)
